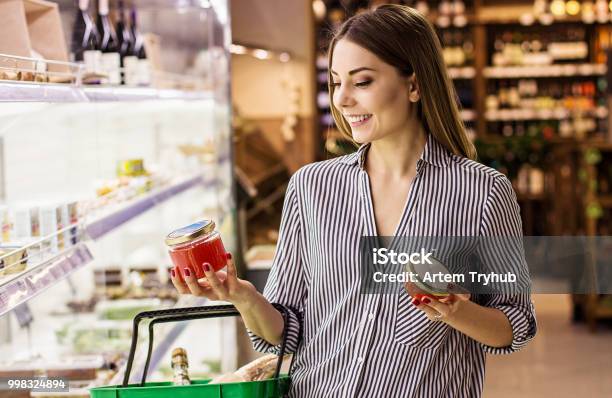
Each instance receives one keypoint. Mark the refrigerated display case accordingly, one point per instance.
(92, 178)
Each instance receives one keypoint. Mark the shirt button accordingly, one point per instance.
(360, 359)
(371, 317)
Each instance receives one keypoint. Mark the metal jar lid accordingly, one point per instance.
(179, 355)
(190, 232)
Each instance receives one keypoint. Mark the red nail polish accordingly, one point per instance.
(426, 300)
(206, 267)
(416, 302)
(229, 256)
(187, 272)
(173, 273)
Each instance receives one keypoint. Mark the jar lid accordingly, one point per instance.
(179, 351)
(419, 270)
(190, 232)
(179, 355)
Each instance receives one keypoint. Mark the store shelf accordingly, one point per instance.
(605, 200)
(46, 92)
(513, 13)
(110, 94)
(539, 114)
(18, 288)
(468, 115)
(467, 72)
(535, 71)
(122, 214)
(597, 144)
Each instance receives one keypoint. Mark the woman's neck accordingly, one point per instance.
(396, 155)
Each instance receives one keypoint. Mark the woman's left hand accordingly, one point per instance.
(443, 308)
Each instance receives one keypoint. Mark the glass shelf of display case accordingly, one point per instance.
(20, 83)
(47, 92)
(119, 215)
(31, 268)
(18, 288)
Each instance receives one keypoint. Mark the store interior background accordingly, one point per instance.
(546, 127)
(560, 163)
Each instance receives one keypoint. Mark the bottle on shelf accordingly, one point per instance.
(108, 44)
(588, 12)
(180, 367)
(143, 70)
(139, 48)
(459, 18)
(124, 35)
(444, 14)
(85, 39)
(130, 60)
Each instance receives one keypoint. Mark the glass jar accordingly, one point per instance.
(421, 287)
(195, 244)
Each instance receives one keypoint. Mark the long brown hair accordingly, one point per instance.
(402, 37)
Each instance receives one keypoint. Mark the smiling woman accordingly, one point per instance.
(413, 176)
(402, 68)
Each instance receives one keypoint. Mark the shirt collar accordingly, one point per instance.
(433, 153)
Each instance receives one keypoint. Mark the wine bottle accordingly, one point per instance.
(130, 59)
(138, 49)
(123, 33)
(109, 44)
(143, 72)
(84, 37)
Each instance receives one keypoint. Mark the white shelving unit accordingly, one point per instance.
(60, 142)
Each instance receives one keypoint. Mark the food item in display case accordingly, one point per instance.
(49, 227)
(112, 337)
(195, 244)
(27, 222)
(5, 223)
(108, 282)
(262, 368)
(13, 259)
(10, 75)
(131, 168)
(125, 309)
(180, 367)
(73, 217)
(27, 76)
(62, 221)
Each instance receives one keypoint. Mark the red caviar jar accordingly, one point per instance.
(195, 244)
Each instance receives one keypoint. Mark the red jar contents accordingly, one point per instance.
(196, 244)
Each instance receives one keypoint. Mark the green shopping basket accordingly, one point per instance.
(276, 387)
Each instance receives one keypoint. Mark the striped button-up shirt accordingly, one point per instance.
(376, 345)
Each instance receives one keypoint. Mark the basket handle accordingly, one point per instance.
(190, 313)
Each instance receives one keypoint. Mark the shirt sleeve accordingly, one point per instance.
(501, 222)
(285, 285)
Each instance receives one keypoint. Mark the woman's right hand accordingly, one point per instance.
(216, 286)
